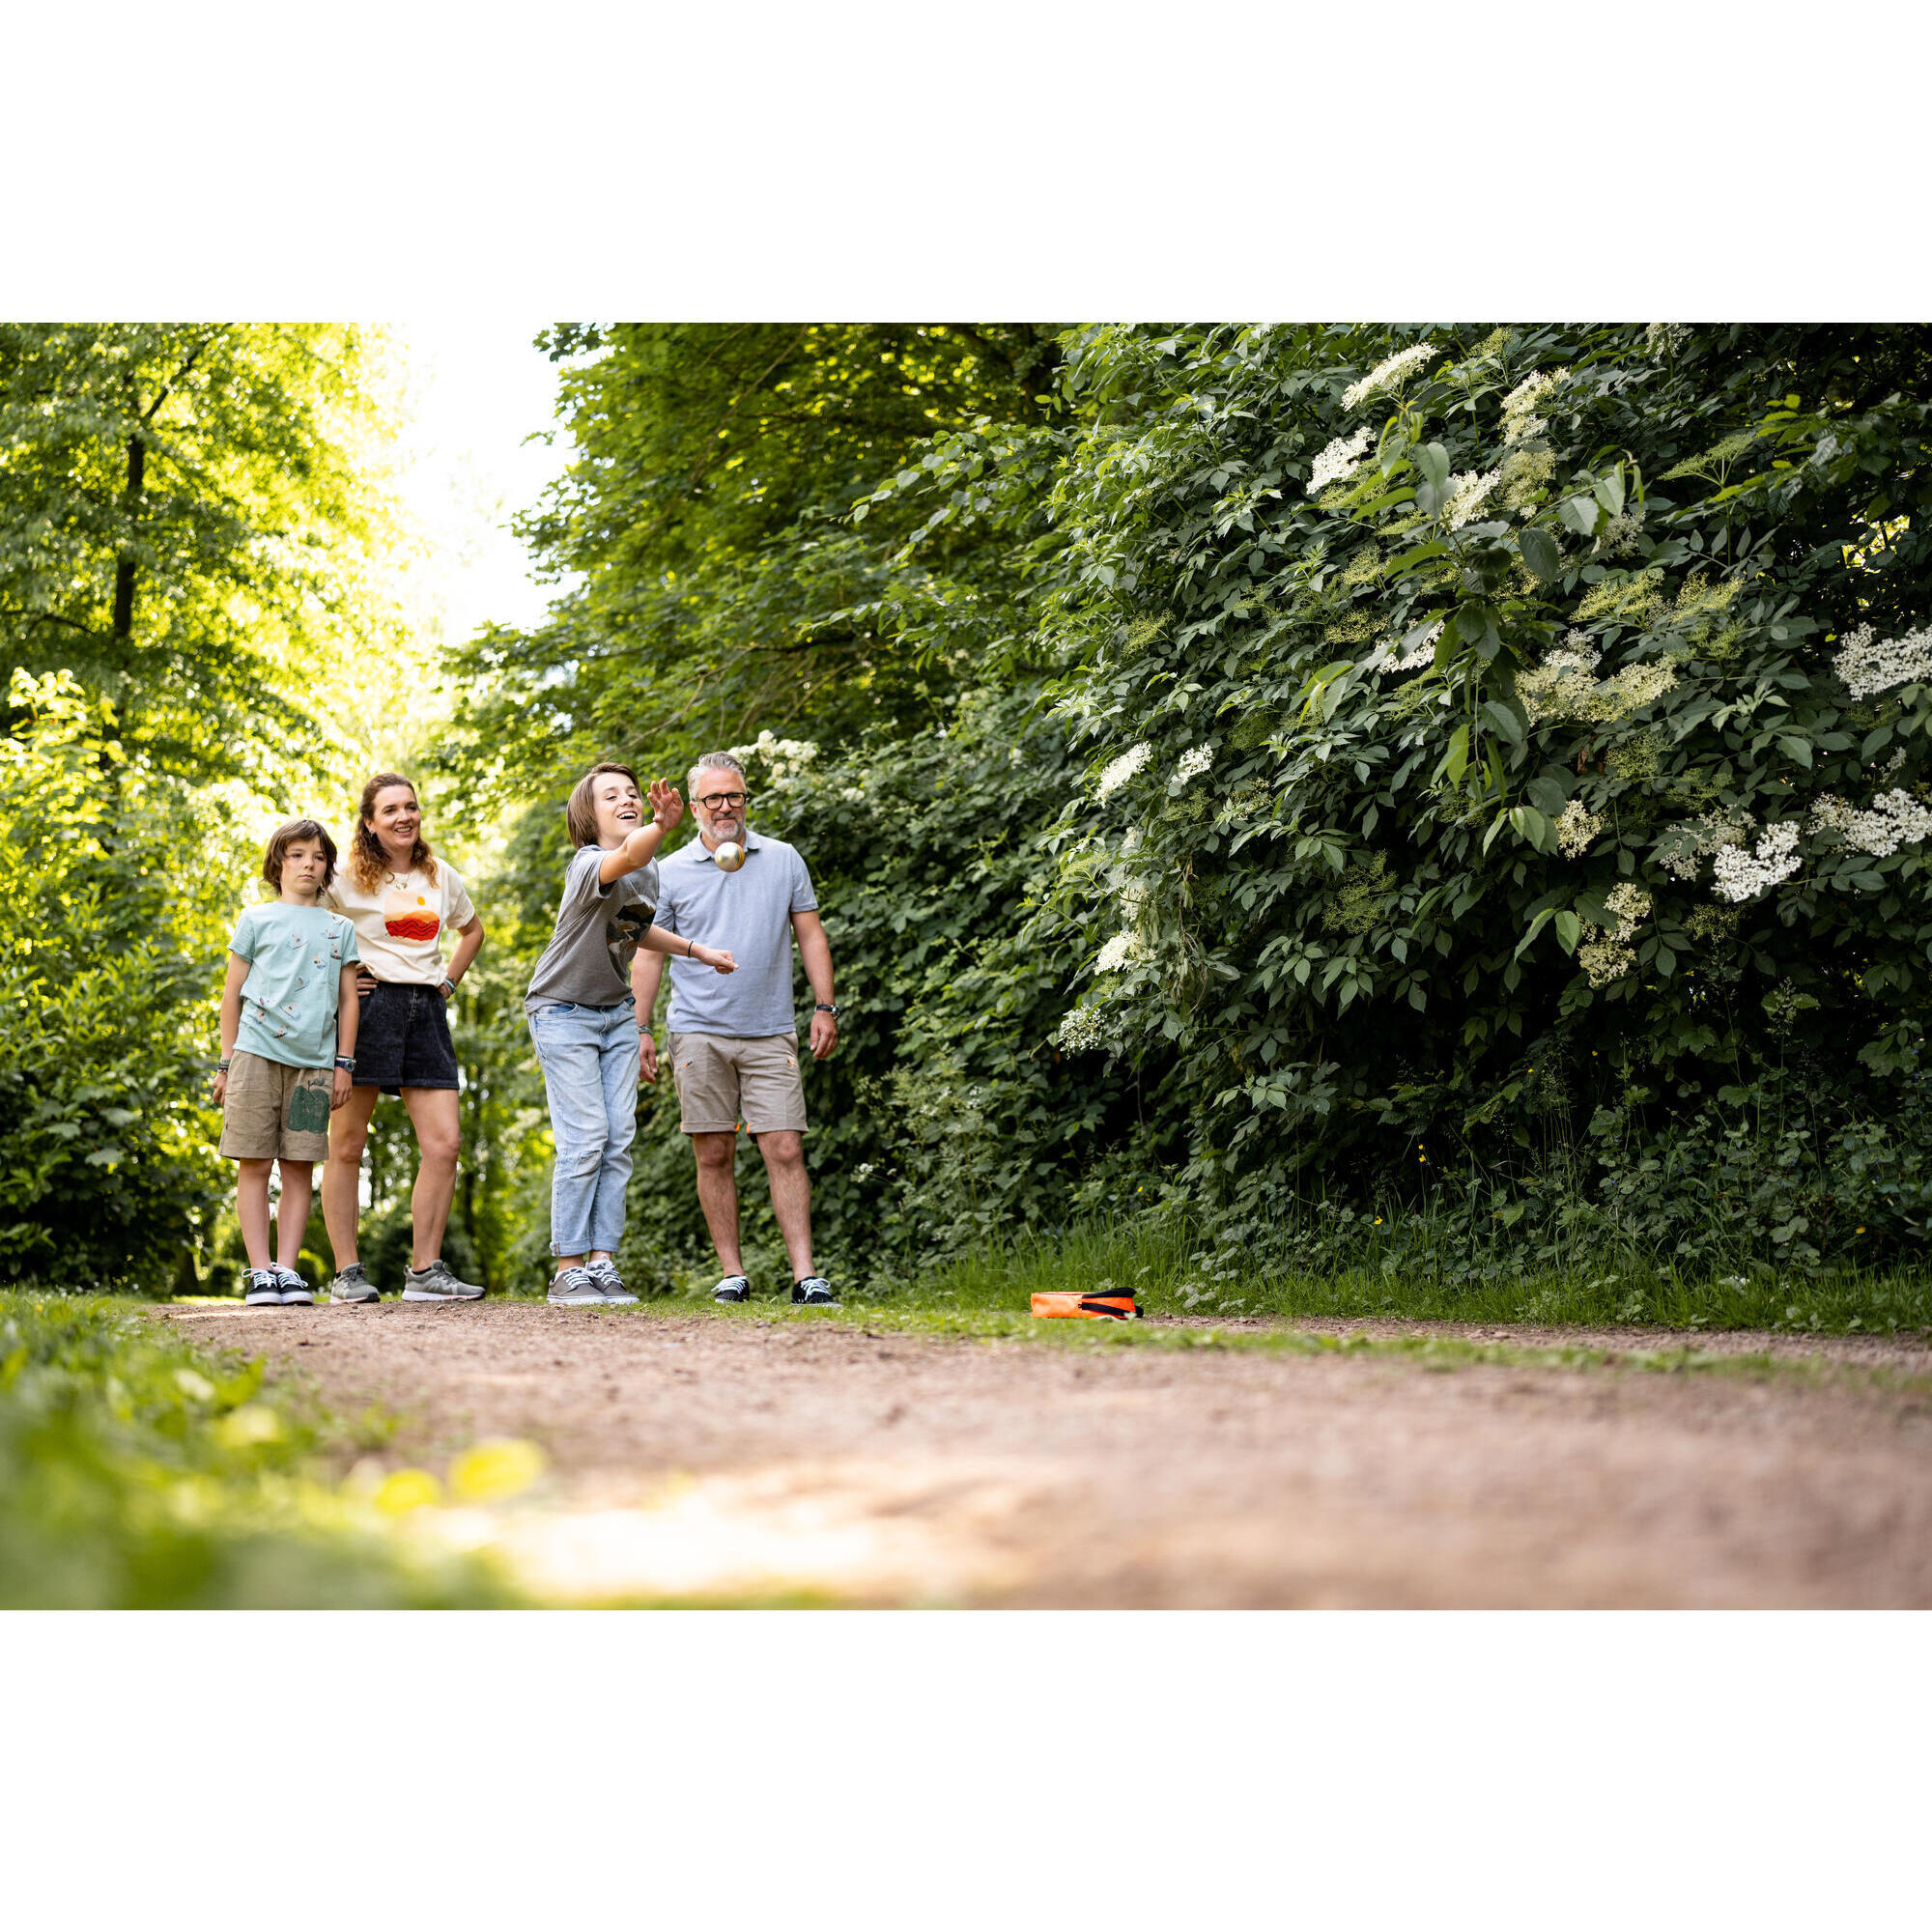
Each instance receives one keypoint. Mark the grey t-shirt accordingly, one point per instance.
(587, 962)
(748, 914)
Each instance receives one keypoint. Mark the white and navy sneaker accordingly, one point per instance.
(573, 1287)
(733, 1287)
(611, 1284)
(814, 1292)
(296, 1292)
(436, 1283)
(261, 1290)
(352, 1285)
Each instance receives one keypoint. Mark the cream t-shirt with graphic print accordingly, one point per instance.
(399, 926)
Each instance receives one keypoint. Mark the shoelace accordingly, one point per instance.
(571, 1279)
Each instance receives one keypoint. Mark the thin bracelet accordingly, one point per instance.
(690, 948)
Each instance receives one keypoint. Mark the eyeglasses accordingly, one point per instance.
(721, 800)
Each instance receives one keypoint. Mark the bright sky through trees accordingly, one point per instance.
(476, 390)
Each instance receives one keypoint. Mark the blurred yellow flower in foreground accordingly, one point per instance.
(407, 1489)
(501, 1467)
(243, 1427)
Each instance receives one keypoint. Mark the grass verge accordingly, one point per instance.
(140, 1471)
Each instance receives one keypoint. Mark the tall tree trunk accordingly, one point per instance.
(124, 570)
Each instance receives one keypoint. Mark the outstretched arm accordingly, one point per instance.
(641, 846)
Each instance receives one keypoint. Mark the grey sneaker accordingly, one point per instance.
(733, 1287)
(436, 1283)
(296, 1292)
(352, 1285)
(575, 1288)
(814, 1292)
(261, 1290)
(609, 1283)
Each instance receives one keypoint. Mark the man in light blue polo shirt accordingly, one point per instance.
(733, 1038)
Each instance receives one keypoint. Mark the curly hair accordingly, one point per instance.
(368, 864)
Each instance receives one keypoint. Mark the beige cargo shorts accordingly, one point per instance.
(721, 1081)
(273, 1112)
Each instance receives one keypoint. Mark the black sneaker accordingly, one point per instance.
(295, 1291)
(814, 1292)
(733, 1287)
(261, 1290)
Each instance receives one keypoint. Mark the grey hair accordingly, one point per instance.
(711, 761)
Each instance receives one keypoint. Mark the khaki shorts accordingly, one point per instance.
(274, 1112)
(721, 1081)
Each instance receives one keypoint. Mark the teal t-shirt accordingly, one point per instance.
(295, 955)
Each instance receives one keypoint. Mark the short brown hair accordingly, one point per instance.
(285, 835)
(580, 814)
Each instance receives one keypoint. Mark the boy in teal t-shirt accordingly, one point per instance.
(288, 1047)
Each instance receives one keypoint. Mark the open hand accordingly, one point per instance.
(666, 806)
(339, 1090)
(218, 1093)
(824, 1036)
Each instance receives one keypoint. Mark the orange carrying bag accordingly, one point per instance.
(1097, 1307)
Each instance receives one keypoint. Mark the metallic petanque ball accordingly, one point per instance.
(730, 855)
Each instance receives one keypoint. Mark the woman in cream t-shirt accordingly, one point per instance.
(402, 900)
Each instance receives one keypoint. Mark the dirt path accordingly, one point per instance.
(696, 1457)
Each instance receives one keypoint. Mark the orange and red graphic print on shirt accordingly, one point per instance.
(409, 916)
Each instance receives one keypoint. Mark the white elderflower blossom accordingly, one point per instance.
(1560, 686)
(1389, 655)
(1081, 1030)
(1742, 874)
(783, 756)
(1576, 829)
(1121, 950)
(1340, 460)
(1701, 839)
(1604, 960)
(1631, 904)
(1388, 374)
(1521, 421)
(1124, 767)
(1193, 763)
(1894, 819)
(1869, 664)
(1467, 491)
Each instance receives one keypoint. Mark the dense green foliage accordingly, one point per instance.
(1468, 775)
(137, 1472)
(107, 1177)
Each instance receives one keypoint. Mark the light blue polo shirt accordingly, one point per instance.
(748, 914)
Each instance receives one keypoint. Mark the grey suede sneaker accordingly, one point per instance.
(352, 1285)
(436, 1283)
(575, 1288)
(609, 1283)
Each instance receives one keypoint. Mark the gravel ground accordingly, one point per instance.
(693, 1458)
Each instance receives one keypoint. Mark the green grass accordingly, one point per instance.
(140, 1471)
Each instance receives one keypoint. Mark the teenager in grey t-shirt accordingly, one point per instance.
(599, 927)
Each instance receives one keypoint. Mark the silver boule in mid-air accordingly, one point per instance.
(730, 855)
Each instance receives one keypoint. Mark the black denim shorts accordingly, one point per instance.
(403, 1040)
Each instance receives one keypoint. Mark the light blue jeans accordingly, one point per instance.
(589, 1061)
